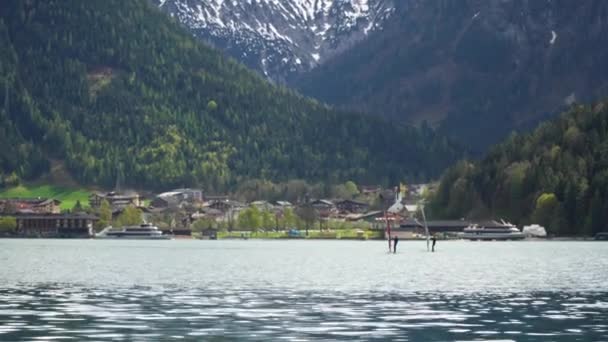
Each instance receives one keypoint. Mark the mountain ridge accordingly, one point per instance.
(471, 66)
(280, 38)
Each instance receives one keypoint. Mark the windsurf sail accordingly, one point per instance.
(388, 230)
(426, 228)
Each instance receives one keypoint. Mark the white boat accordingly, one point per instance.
(535, 230)
(145, 231)
(492, 231)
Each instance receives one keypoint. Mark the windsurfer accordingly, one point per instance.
(395, 241)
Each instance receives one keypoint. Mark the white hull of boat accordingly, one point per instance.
(142, 232)
(493, 231)
(162, 237)
(493, 236)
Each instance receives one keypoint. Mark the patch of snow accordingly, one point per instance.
(553, 37)
(300, 30)
(476, 15)
(264, 69)
(368, 28)
(570, 99)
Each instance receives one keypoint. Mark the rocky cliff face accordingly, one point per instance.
(474, 68)
(281, 38)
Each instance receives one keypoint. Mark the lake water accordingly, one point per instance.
(302, 290)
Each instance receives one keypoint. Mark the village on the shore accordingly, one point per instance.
(372, 212)
(190, 213)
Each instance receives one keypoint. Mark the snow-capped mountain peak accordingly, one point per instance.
(281, 37)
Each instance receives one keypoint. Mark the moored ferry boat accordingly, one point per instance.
(492, 230)
(142, 232)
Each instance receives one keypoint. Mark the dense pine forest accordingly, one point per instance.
(116, 90)
(556, 176)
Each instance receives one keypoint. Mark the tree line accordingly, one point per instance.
(556, 176)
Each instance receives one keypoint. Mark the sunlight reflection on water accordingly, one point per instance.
(266, 290)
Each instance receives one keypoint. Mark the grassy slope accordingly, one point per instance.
(67, 195)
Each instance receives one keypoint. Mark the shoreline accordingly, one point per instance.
(184, 238)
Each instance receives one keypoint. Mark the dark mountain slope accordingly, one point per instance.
(476, 69)
(18, 156)
(118, 90)
(280, 38)
(556, 176)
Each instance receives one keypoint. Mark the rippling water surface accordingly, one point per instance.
(302, 290)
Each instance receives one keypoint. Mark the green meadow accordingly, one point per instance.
(67, 196)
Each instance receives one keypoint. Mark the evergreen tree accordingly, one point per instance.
(100, 95)
(77, 208)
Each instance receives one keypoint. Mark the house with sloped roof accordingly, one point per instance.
(165, 202)
(183, 195)
(30, 205)
(226, 205)
(350, 206)
(324, 208)
(283, 204)
(262, 205)
(370, 189)
(323, 204)
(115, 199)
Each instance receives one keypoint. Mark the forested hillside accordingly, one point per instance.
(474, 69)
(117, 90)
(556, 176)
